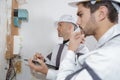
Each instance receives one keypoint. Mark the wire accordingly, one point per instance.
(11, 73)
(14, 75)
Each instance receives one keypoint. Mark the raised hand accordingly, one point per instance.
(75, 40)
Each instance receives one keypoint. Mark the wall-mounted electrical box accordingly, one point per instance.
(20, 15)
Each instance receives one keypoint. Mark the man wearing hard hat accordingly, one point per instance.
(100, 19)
(66, 25)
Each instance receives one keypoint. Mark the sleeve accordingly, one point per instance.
(37, 75)
(67, 66)
(82, 49)
(52, 74)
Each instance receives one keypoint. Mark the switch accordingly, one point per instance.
(17, 45)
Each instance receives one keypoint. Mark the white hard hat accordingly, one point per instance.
(75, 2)
(66, 18)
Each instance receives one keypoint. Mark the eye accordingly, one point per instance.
(80, 14)
(59, 24)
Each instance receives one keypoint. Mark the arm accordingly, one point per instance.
(42, 68)
(49, 71)
(51, 74)
(68, 65)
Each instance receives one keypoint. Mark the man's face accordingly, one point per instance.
(63, 29)
(86, 20)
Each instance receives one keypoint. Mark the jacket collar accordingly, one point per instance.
(113, 31)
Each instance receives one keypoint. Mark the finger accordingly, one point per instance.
(34, 67)
(35, 56)
(29, 60)
(40, 61)
(39, 56)
(83, 39)
(30, 63)
(79, 35)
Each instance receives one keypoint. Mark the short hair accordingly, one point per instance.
(112, 12)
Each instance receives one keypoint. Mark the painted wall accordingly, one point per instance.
(3, 32)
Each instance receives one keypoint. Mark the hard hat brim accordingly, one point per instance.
(56, 22)
(74, 4)
(117, 1)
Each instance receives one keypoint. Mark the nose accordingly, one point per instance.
(78, 21)
(58, 28)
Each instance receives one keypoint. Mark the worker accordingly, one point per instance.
(66, 25)
(98, 18)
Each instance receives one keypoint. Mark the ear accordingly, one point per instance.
(102, 13)
(71, 27)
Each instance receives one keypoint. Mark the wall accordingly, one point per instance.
(3, 32)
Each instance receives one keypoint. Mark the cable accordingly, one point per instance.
(11, 73)
(14, 75)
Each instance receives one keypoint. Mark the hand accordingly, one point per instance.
(42, 68)
(75, 40)
(38, 56)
